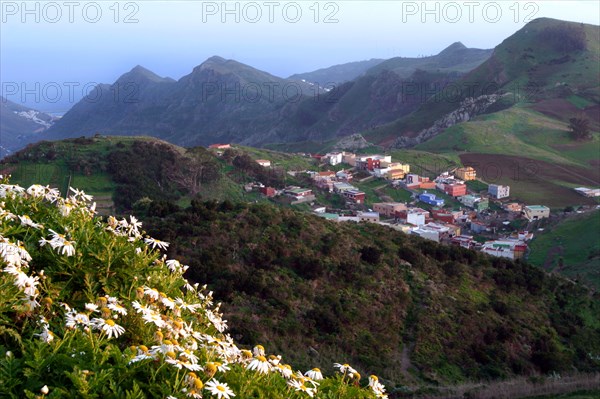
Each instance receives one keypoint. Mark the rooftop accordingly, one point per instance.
(537, 207)
(369, 214)
(298, 190)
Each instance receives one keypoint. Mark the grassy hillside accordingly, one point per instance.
(408, 309)
(519, 131)
(546, 59)
(120, 171)
(571, 248)
(280, 159)
(528, 150)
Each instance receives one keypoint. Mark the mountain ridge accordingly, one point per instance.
(20, 125)
(225, 100)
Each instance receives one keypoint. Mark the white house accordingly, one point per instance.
(372, 217)
(432, 231)
(334, 158)
(498, 191)
(536, 212)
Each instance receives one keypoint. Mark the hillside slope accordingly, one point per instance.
(91, 308)
(315, 290)
(122, 171)
(547, 59)
(405, 308)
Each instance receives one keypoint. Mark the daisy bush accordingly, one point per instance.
(90, 307)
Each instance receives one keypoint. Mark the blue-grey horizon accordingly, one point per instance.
(57, 50)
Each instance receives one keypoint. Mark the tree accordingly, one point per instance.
(580, 128)
(191, 172)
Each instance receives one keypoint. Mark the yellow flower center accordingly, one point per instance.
(109, 322)
(246, 353)
(211, 369)
(170, 354)
(198, 384)
(221, 388)
(261, 358)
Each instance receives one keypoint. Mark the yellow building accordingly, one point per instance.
(396, 174)
(396, 166)
(466, 173)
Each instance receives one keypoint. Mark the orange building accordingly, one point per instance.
(455, 190)
(466, 173)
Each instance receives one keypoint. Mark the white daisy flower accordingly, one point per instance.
(31, 302)
(314, 374)
(285, 370)
(345, 368)
(221, 390)
(26, 221)
(299, 385)
(79, 194)
(156, 243)
(152, 293)
(67, 248)
(152, 316)
(260, 364)
(36, 190)
(117, 308)
(108, 326)
(46, 335)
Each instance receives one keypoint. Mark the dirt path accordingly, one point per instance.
(383, 197)
(552, 254)
(405, 362)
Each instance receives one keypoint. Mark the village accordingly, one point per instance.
(453, 208)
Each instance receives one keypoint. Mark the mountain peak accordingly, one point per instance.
(215, 62)
(216, 59)
(454, 47)
(139, 72)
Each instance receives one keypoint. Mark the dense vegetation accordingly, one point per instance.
(318, 292)
(92, 309)
(405, 308)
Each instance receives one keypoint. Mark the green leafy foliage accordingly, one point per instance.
(90, 309)
(363, 292)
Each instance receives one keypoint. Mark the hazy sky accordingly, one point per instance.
(71, 45)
